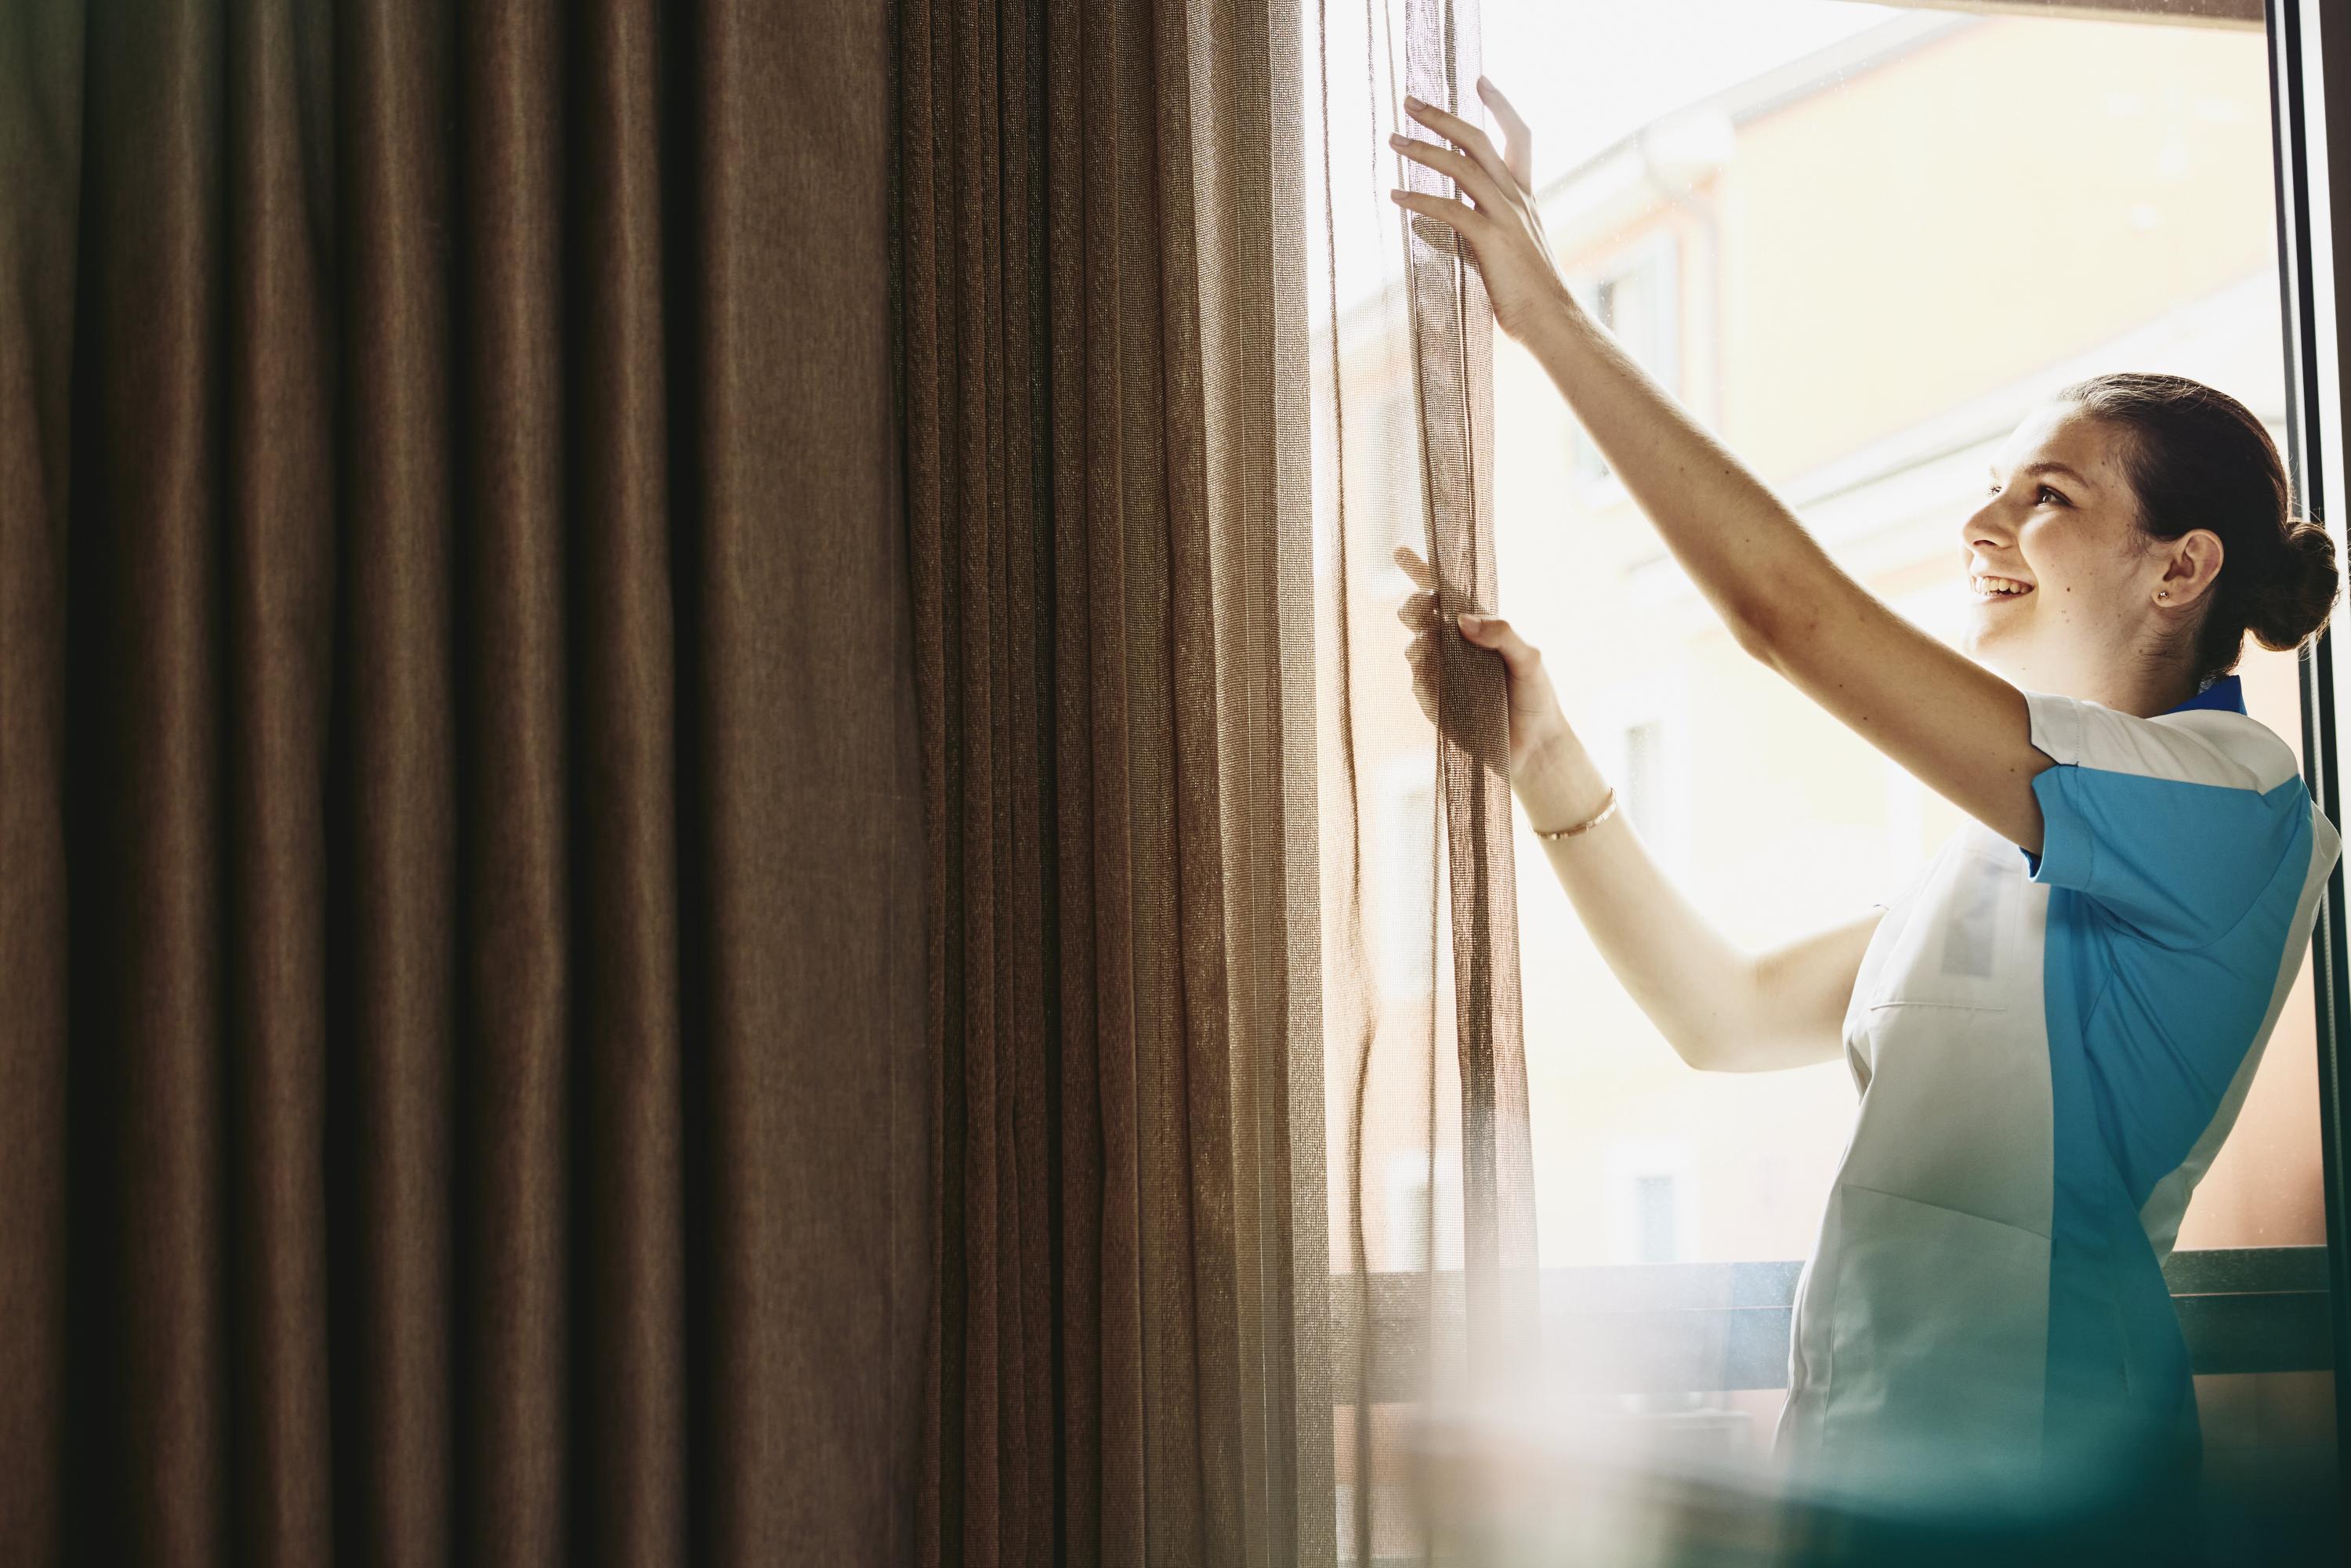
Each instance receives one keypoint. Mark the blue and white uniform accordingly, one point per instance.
(2050, 1051)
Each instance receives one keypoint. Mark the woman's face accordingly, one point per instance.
(2073, 595)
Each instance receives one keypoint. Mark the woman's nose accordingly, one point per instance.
(1981, 531)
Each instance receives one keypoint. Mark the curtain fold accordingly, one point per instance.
(1434, 1287)
(1166, 905)
(1094, 437)
(461, 1091)
(1453, 369)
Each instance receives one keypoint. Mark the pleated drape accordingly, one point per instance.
(1107, 504)
(462, 1086)
(1150, 660)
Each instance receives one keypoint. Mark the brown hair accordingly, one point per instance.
(2197, 458)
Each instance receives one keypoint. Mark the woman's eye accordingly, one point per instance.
(2047, 491)
(1993, 489)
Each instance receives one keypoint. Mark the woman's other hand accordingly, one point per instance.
(1504, 230)
(1538, 726)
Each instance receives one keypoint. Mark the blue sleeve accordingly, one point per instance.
(2162, 827)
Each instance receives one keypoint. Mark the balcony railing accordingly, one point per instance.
(1663, 1328)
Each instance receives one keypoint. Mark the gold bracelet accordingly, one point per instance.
(1606, 812)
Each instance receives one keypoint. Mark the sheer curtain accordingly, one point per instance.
(1431, 1177)
(1232, 1173)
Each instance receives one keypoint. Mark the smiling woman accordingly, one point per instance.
(2174, 538)
(2063, 1014)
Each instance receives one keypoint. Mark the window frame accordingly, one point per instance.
(2301, 52)
(1719, 1327)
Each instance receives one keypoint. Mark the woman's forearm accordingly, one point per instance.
(1696, 987)
(1746, 551)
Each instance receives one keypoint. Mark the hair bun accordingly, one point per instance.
(2305, 588)
(2198, 458)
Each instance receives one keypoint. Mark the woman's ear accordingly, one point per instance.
(2193, 563)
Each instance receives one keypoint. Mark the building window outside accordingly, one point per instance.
(1645, 777)
(1385, 504)
(1652, 1194)
(1407, 1245)
(1656, 1236)
(1407, 1216)
(1408, 891)
(1636, 295)
(1638, 733)
(1400, 503)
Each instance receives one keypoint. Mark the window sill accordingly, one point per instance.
(1662, 1328)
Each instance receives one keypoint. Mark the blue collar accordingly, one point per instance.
(2227, 693)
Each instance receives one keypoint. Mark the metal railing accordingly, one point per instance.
(1663, 1328)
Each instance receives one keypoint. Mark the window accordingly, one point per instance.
(1636, 728)
(1636, 296)
(1865, 340)
(1652, 1196)
(1407, 892)
(1644, 761)
(1400, 505)
(1407, 1241)
(1385, 505)
(1653, 1218)
(1407, 1217)
(1872, 342)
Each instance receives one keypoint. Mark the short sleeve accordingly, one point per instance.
(2174, 832)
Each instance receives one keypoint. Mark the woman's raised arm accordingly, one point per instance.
(1722, 1008)
(1958, 726)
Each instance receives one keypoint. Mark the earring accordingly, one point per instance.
(2163, 593)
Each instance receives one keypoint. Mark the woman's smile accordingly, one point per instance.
(1986, 589)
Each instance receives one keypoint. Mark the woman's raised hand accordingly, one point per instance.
(1504, 230)
(1537, 724)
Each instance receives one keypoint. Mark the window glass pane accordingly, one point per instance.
(1868, 240)
(1655, 1197)
(1644, 774)
(1406, 900)
(1634, 291)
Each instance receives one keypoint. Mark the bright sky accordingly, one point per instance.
(1584, 73)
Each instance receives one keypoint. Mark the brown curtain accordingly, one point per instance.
(462, 1087)
(1152, 649)
(1102, 463)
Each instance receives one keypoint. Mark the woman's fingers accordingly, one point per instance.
(1473, 180)
(1518, 142)
(1424, 686)
(1450, 209)
(1489, 631)
(1492, 632)
(1453, 128)
(1421, 609)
